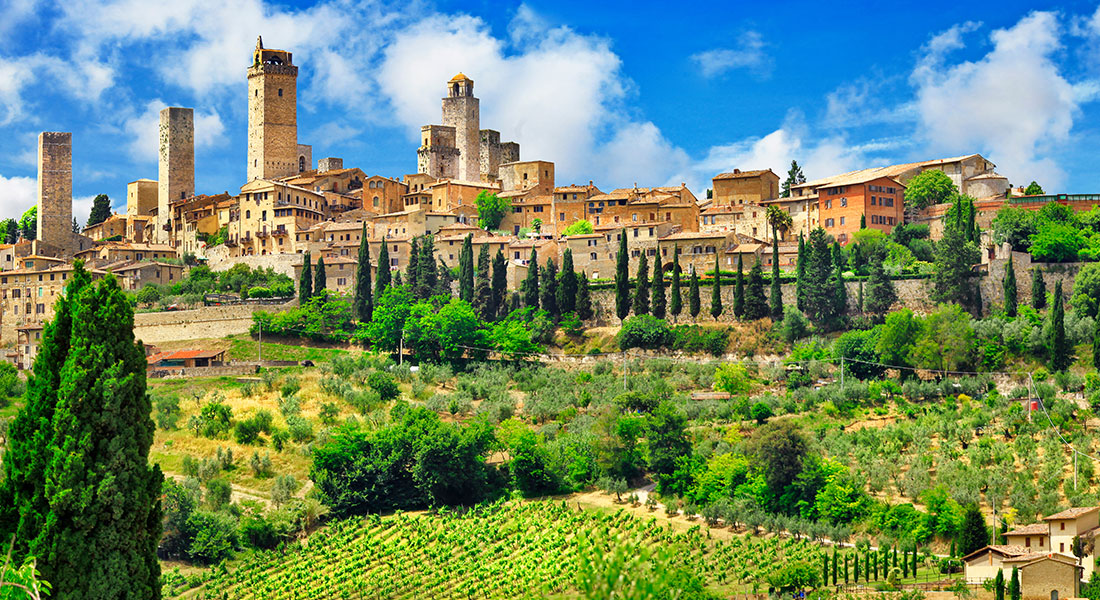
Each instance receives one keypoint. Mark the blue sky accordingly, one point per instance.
(615, 92)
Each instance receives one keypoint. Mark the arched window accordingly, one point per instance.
(301, 163)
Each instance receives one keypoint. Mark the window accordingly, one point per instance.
(828, 222)
(592, 242)
(592, 256)
(872, 200)
(341, 281)
(561, 216)
(841, 221)
(635, 232)
(844, 202)
(1062, 525)
(828, 204)
(887, 201)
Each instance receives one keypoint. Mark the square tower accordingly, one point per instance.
(461, 110)
(176, 169)
(272, 115)
(55, 189)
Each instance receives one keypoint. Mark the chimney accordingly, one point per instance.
(737, 171)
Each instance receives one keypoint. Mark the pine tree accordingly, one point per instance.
(548, 293)
(693, 295)
(567, 284)
(716, 292)
(24, 505)
(466, 270)
(483, 289)
(775, 304)
(676, 303)
(101, 210)
(584, 299)
(739, 289)
(794, 177)
(1014, 585)
(1009, 285)
(531, 282)
(320, 278)
(305, 280)
(426, 277)
(1059, 347)
(412, 269)
(657, 289)
(385, 276)
(1038, 289)
(500, 282)
(756, 305)
(622, 279)
(973, 533)
(800, 272)
(641, 286)
(101, 537)
(364, 301)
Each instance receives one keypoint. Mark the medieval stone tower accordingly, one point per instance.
(176, 179)
(461, 110)
(55, 189)
(273, 149)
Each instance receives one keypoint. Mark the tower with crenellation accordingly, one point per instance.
(462, 111)
(459, 148)
(273, 149)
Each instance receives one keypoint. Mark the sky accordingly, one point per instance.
(614, 92)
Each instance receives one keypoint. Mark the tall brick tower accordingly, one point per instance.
(461, 110)
(272, 114)
(176, 179)
(55, 189)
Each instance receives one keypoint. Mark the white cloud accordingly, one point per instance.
(18, 72)
(17, 194)
(1013, 104)
(861, 103)
(142, 129)
(748, 54)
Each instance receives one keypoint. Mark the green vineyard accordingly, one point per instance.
(504, 550)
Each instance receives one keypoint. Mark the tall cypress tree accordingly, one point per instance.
(676, 303)
(320, 278)
(24, 504)
(305, 280)
(1038, 289)
(364, 301)
(840, 293)
(776, 301)
(466, 270)
(483, 288)
(800, 271)
(641, 289)
(531, 283)
(385, 276)
(584, 299)
(567, 284)
(1059, 347)
(548, 292)
(756, 305)
(1014, 585)
(622, 279)
(716, 291)
(101, 537)
(500, 282)
(657, 289)
(412, 270)
(444, 279)
(999, 585)
(1009, 285)
(425, 268)
(693, 295)
(739, 289)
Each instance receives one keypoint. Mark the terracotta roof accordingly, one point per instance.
(460, 77)
(1072, 513)
(1033, 529)
(183, 355)
(573, 188)
(692, 235)
(1003, 550)
(742, 174)
(744, 248)
(723, 210)
(1026, 560)
(988, 176)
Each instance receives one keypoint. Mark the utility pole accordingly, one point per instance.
(401, 349)
(260, 342)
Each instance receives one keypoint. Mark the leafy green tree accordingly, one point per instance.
(1033, 189)
(584, 298)
(1009, 286)
(898, 338)
(385, 276)
(778, 449)
(1015, 225)
(669, 445)
(364, 300)
(973, 533)
(483, 290)
(445, 333)
(739, 289)
(500, 281)
(775, 305)
(676, 303)
(641, 286)
(693, 295)
(531, 282)
(567, 284)
(28, 223)
(794, 177)
(548, 292)
(1039, 289)
(466, 270)
(305, 280)
(756, 306)
(946, 340)
(622, 278)
(491, 209)
(1059, 347)
(104, 525)
(716, 291)
(1086, 290)
(101, 210)
(880, 293)
(319, 277)
(530, 467)
(657, 289)
(1096, 344)
(928, 188)
(579, 227)
(392, 309)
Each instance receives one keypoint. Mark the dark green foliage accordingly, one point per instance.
(1038, 289)
(483, 290)
(641, 286)
(548, 292)
(319, 277)
(800, 273)
(1033, 189)
(412, 269)
(859, 348)
(973, 533)
(693, 295)
(9, 229)
(384, 385)
(840, 292)
(955, 256)
(444, 278)
(676, 303)
(426, 275)
(794, 177)
(364, 299)
(778, 449)
(491, 209)
(668, 446)
(385, 276)
(716, 291)
(1096, 345)
(28, 223)
(622, 278)
(657, 289)
(999, 585)
(531, 282)
(818, 287)
(1059, 347)
(1014, 585)
(1009, 286)
(500, 282)
(567, 284)
(756, 305)
(775, 302)
(530, 470)
(305, 279)
(101, 210)
(644, 331)
(880, 294)
(326, 317)
(760, 413)
(584, 299)
(739, 289)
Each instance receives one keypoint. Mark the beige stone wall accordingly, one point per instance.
(220, 259)
(141, 197)
(1038, 580)
(535, 175)
(464, 114)
(992, 285)
(55, 189)
(272, 120)
(176, 167)
(202, 323)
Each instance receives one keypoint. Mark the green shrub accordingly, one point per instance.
(644, 331)
(167, 411)
(693, 338)
(384, 385)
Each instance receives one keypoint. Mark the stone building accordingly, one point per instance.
(744, 187)
(55, 190)
(142, 197)
(494, 154)
(459, 148)
(629, 206)
(273, 149)
(842, 200)
(176, 167)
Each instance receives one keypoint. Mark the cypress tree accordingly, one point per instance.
(483, 289)
(914, 569)
(1038, 289)
(531, 282)
(776, 301)
(412, 270)
(863, 221)
(835, 566)
(364, 302)
(622, 279)
(425, 268)
(840, 293)
(305, 280)
(825, 568)
(800, 272)
(567, 284)
(881, 294)
(101, 537)
(693, 295)
(867, 566)
(855, 567)
(584, 299)
(1096, 344)
(739, 289)
(24, 505)
(874, 563)
(846, 568)
(397, 278)
(500, 282)
(320, 281)
(1009, 285)
(716, 291)
(1059, 347)
(756, 306)
(1014, 585)
(641, 289)
(657, 289)
(466, 270)
(999, 585)
(676, 303)
(895, 563)
(859, 299)
(444, 279)
(385, 276)
(548, 292)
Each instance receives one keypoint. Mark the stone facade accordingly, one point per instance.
(437, 155)
(741, 187)
(459, 149)
(273, 149)
(55, 189)
(141, 197)
(176, 171)
(305, 157)
(462, 111)
(329, 164)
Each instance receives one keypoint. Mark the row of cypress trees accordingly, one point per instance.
(557, 293)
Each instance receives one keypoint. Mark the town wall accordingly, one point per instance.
(201, 323)
(219, 258)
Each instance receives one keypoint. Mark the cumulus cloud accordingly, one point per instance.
(17, 194)
(18, 73)
(748, 54)
(142, 130)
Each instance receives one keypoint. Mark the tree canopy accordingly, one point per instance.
(491, 209)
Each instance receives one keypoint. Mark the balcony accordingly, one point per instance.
(262, 233)
(280, 230)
